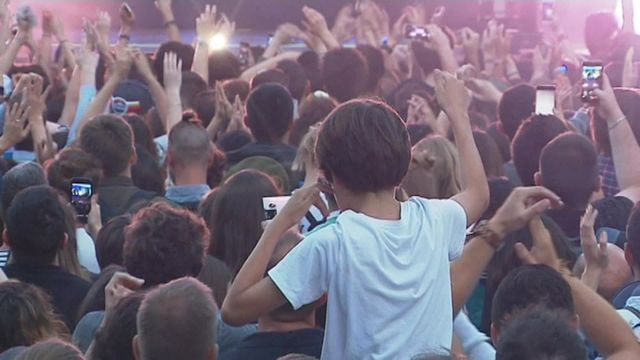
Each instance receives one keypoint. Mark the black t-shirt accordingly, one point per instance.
(613, 212)
(118, 194)
(272, 345)
(66, 290)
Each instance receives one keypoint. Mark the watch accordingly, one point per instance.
(482, 230)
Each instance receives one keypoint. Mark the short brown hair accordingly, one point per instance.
(186, 331)
(72, 163)
(164, 243)
(110, 139)
(365, 145)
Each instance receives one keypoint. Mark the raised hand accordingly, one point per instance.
(314, 21)
(543, 251)
(103, 24)
(420, 112)
(164, 6)
(172, 71)
(36, 97)
(206, 25)
(127, 16)
(224, 108)
(595, 251)
(47, 23)
(123, 62)
(141, 63)
(237, 118)
(16, 126)
(607, 106)
(452, 95)
(297, 206)
(120, 285)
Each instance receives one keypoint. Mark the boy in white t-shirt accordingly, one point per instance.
(383, 264)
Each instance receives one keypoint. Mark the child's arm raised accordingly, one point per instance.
(454, 100)
(251, 295)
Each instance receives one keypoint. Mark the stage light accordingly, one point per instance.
(218, 42)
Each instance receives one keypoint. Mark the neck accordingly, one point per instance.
(267, 324)
(194, 175)
(126, 173)
(379, 205)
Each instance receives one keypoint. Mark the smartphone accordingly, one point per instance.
(413, 32)
(81, 193)
(273, 205)
(244, 53)
(548, 13)
(545, 99)
(591, 79)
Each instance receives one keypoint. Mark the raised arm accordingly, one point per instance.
(87, 64)
(454, 99)
(63, 41)
(72, 98)
(251, 294)
(8, 57)
(45, 46)
(42, 141)
(316, 24)
(205, 30)
(169, 20)
(5, 24)
(624, 147)
(172, 84)
(522, 205)
(157, 91)
(127, 21)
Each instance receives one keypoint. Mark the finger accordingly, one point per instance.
(537, 209)
(126, 280)
(539, 192)
(524, 254)
(603, 241)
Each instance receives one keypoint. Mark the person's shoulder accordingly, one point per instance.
(435, 207)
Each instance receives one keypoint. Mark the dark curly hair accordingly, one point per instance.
(164, 243)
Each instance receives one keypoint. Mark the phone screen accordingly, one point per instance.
(591, 80)
(273, 205)
(545, 100)
(416, 32)
(81, 193)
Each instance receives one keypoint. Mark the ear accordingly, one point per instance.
(135, 344)
(65, 241)
(495, 334)
(537, 178)
(134, 157)
(574, 322)
(5, 238)
(213, 354)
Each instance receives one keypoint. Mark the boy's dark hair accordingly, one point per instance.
(110, 241)
(310, 62)
(531, 138)
(489, 154)
(142, 133)
(629, 101)
(516, 104)
(270, 76)
(269, 112)
(164, 243)
(527, 287)
(147, 174)
(223, 65)
(192, 85)
(185, 53)
(298, 80)
(375, 59)
(569, 167)
(110, 139)
(204, 104)
(36, 226)
(72, 163)
(114, 338)
(345, 73)
(540, 334)
(365, 145)
(633, 233)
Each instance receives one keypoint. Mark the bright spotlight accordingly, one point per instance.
(218, 42)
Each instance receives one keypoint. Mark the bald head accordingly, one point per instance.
(189, 144)
(177, 321)
(615, 276)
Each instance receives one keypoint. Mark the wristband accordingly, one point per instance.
(170, 23)
(617, 122)
(125, 37)
(483, 231)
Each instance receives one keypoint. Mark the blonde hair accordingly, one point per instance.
(307, 149)
(440, 157)
(52, 349)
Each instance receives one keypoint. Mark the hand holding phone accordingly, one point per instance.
(81, 194)
(273, 205)
(592, 72)
(545, 99)
(413, 32)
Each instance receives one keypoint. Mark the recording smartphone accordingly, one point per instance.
(273, 205)
(244, 53)
(545, 99)
(81, 193)
(414, 32)
(548, 12)
(591, 79)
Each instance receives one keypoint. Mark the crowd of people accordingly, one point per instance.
(430, 211)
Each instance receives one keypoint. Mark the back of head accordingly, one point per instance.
(164, 243)
(345, 73)
(540, 335)
(72, 163)
(270, 76)
(192, 85)
(310, 62)
(298, 81)
(307, 150)
(26, 316)
(189, 145)
(52, 349)
(375, 60)
(204, 105)
(36, 226)
(237, 216)
(266, 165)
(223, 65)
(527, 287)
(569, 167)
(110, 241)
(629, 101)
(600, 29)
(531, 138)
(356, 139)
(109, 138)
(516, 105)
(446, 164)
(313, 110)
(141, 133)
(489, 154)
(114, 338)
(236, 87)
(185, 54)
(269, 112)
(19, 178)
(420, 179)
(177, 321)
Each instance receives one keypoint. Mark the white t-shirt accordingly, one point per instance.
(87, 251)
(388, 282)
